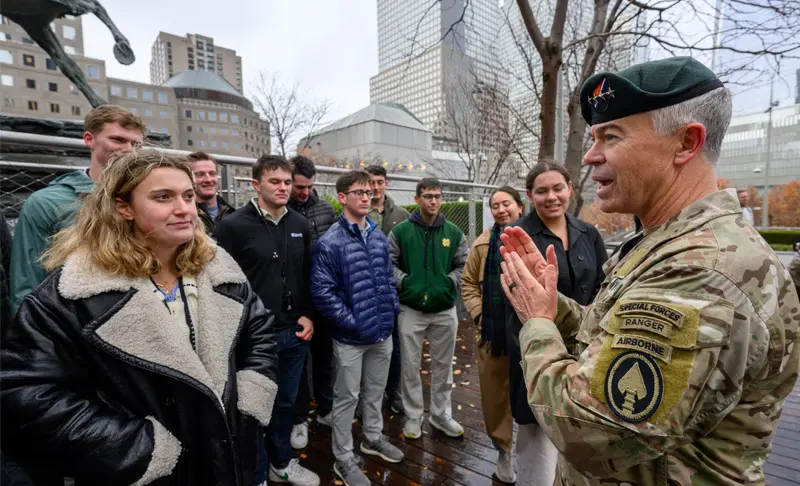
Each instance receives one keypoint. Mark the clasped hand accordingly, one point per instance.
(529, 281)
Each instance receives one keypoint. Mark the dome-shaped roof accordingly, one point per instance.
(201, 80)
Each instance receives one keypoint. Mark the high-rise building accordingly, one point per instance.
(172, 54)
(437, 62)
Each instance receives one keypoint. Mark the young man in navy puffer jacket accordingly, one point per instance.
(352, 285)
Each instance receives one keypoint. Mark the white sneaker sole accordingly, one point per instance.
(445, 431)
(274, 478)
(370, 452)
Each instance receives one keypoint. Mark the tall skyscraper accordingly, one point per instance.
(433, 58)
(172, 54)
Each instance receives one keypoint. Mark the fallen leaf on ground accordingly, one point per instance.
(424, 372)
(338, 483)
(303, 456)
(467, 366)
(464, 383)
(459, 407)
(463, 347)
(457, 372)
(426, 355)
(471, 405)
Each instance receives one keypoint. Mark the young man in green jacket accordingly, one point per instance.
(428, 253)
(110, 130)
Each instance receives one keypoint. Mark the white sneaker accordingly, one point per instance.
(325, 419)
(294, 474)
(505, 469)
(299, 437)
(446, 424)
(413, 428)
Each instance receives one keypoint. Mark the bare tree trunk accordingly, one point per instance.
(551, 68)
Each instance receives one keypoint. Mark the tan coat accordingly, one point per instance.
(472, 278)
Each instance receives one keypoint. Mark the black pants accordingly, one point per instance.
(321, 355)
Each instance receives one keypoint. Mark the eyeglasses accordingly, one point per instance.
(360, 193)
(431, 197)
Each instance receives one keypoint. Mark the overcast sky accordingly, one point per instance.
(330, 47)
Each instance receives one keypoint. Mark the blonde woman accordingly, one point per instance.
(483, 298)
(144, 358)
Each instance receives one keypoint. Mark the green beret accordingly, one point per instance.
(644, 87)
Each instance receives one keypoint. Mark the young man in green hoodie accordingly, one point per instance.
(428, 253)
(110, 130)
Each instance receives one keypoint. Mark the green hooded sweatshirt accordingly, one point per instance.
(44, 213)
(428, 262)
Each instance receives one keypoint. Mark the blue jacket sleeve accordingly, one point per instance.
(326, 291)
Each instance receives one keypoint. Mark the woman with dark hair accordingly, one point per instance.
(483, 298)
(144, 357)
(581, 253)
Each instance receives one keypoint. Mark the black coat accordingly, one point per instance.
(587, 253)
(319, 213)
(99, 384)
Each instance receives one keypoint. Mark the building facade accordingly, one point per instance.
(743, 159)
(172, 54)
(30, 82)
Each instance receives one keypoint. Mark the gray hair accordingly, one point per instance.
(712, 110)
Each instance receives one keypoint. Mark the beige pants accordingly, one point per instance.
(493, 373)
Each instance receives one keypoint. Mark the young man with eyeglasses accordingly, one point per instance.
(272, 245)
(428, 253)
(321, 216)
(353, 286)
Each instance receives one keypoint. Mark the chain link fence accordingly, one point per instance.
(20, 177)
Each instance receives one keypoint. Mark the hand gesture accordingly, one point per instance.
(531, 297)
(516, 240)
(308, 329)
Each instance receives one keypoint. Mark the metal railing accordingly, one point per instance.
(19, 178)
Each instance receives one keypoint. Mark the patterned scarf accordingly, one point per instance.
(493, 315)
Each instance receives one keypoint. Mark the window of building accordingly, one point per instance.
(236, 146)
(33, 105)
(94, 73)
(212, 116)
(213, 131)
(234, 118)
(224, 145)
(69, 32)
(53, 87)
(26, 40)
(133, 109)
(7, 36)
(223, 117)
(187, 113)
(28, 60)
(76, 110)
(188, 128)
(148, 113)
(235, 133)
(202, 130)
(164, 115)
(6, 80)
(213, 144)
(162, 98)
(70, 50)
(116, 90)
(133, 92)
(202, 143)
(189, 143)
(223, 131)
(30, 83)
(50, 64)
(201, 115)
(147, 95)
(8, 102)
(54, 108)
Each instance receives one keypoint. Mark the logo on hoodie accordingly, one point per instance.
(446, 242)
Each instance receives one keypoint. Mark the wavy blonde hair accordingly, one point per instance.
(109, 239)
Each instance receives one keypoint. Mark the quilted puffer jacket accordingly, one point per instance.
(352, 283)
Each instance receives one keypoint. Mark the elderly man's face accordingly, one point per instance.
(632, 165)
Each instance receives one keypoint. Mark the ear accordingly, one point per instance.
(341, 197)
(124, 209)
(88, 139)
(255, 184)
(416, 200)
(692, 139)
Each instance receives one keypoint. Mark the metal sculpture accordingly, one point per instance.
(35, 16)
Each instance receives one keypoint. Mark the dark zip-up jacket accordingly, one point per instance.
(319, 212)
(254, 242)
(428, 262)
(211, 224)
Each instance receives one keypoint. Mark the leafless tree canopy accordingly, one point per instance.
(292, 115)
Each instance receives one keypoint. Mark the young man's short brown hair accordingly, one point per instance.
(200, 155)
(97, 119)
(350, 179)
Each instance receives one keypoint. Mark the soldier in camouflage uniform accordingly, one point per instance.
(677, 373)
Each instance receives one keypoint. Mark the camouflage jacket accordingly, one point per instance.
(794, 271)
(677, 373)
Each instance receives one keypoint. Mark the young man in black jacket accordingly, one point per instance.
(321, 216)
(272, 244)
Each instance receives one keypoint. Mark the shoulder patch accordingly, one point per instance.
(634, 386)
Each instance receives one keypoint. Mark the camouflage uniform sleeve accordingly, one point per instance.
(794, 271)
(659, 365)
(568, 319)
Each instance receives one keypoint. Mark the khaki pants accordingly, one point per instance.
(493, 373)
